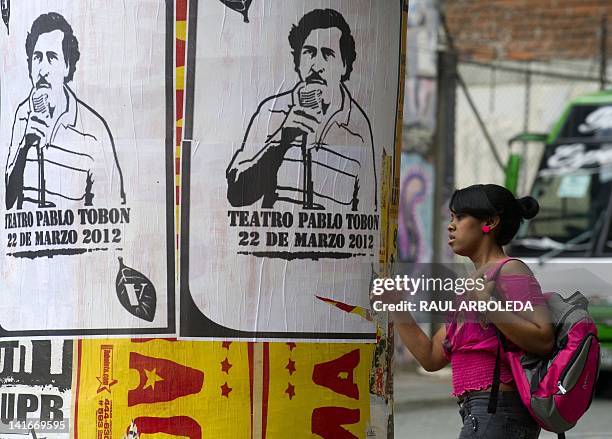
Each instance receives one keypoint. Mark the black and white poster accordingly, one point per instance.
(86, 143)
(291, 106)
(36, 382)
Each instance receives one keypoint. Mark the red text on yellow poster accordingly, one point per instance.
(162, 389)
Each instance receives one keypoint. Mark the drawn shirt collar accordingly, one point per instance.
(69, 116)
(344, 114)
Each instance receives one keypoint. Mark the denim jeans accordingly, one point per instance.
(511, 420)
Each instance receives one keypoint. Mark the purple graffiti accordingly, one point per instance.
(414, 188)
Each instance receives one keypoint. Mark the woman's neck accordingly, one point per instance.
(487, 255)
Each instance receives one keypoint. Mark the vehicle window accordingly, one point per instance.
(592, 121)
(570, 204)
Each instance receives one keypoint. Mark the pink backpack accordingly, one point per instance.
(557, 389)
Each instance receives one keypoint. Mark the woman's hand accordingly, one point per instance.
(482, 294)
(483, 288)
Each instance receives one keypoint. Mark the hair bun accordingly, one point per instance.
(528, 207)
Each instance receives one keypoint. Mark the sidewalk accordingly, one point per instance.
(419, 389)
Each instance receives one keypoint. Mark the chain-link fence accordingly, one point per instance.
(509, 99)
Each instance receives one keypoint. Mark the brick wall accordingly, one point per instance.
(528, 29)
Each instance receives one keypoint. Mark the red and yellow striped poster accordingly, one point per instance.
(176, 389)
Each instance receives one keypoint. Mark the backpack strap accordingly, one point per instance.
(501, 342)
(492, 408)
(494, 272)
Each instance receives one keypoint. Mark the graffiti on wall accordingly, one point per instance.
(415, 235)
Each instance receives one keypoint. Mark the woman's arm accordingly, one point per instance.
(428, 352)
(529, 330)
(532, 331)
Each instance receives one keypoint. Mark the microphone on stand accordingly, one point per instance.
(308, 99)
(40, 105)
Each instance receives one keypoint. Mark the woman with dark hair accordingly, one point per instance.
(484, 218)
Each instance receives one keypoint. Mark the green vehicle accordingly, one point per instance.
(568, 244)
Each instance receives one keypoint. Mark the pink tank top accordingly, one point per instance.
(471, 349)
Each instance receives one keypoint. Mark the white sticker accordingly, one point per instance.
(574, 186)
(598, 120)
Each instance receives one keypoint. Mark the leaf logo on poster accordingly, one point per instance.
(136, 292)
(241, 6)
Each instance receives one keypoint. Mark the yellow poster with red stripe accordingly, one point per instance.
(177, 389)
(161, 388)
(319, 390)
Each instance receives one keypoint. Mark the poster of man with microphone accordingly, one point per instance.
(306, 130)
(87, 144)
(60, 147)
(288, 142)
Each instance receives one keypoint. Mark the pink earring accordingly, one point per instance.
(486, 229)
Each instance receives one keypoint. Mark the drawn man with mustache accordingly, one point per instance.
(312, 145)
(62, 153)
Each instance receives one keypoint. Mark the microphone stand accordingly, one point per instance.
(307, 196)
(42, 189)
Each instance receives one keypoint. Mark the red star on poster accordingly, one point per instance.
(225, 390)
(226, 366)
(226, 345)
(291, 345)
(290, 390)
(290, 366)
